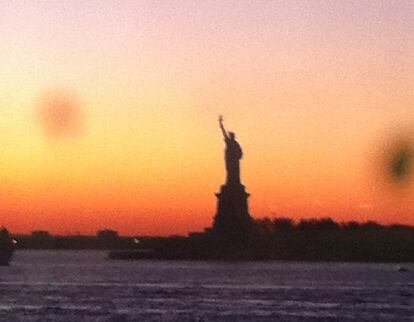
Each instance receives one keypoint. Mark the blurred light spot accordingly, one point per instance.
(399, 161)
(60, 114)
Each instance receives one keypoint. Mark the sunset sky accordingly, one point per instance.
(316, 92)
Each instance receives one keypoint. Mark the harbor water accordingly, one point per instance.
(86, 286)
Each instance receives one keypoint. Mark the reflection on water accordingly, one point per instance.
(85, 286)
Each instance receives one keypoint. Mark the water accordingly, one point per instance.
(85, 286)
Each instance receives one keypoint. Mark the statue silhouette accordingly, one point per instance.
(233, 154)
(232, 224)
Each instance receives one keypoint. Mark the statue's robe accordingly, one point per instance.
(233, 154)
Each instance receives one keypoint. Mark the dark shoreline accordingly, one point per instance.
(280, 239)
(106, 253)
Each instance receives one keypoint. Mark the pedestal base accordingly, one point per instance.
(232, 223)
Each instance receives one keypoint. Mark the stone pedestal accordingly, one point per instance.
(232, 223)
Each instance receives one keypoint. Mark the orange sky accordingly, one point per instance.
(313, 90)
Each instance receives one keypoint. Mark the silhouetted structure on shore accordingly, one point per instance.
(6, 247)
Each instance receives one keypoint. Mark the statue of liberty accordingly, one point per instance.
(232, 223)
(233, 154)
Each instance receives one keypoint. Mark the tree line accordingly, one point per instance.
(325, 239)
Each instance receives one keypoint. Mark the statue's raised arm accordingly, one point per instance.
(222, 127)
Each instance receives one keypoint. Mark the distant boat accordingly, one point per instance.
(6, 247)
